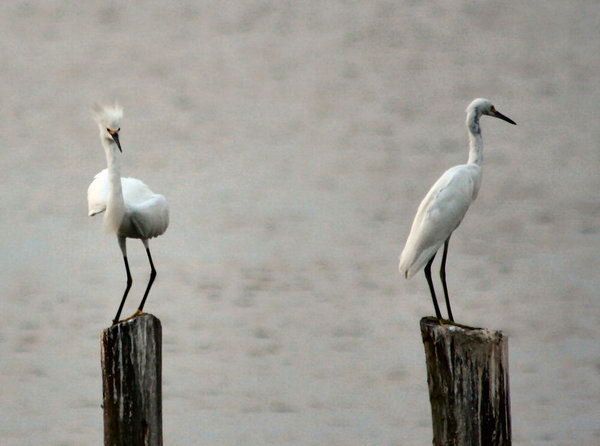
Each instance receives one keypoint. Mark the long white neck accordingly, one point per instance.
(475, 140)
(115, 206)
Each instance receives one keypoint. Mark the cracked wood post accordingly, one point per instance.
(131, 382)
(467, 374)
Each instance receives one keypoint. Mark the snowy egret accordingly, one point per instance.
(132, 209)
(445, 205)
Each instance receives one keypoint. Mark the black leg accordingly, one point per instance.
(428, 277)
(129, 282)
(152, 277)
(443, 277)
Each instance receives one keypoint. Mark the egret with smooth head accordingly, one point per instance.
(445, 205)
(132, 209)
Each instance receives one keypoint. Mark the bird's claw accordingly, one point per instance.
(134, 315)
(449, 322)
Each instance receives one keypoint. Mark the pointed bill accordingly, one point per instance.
(499, 115)
(115, 136)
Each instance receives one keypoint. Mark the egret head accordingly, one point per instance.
(109, 118)
(481, 106)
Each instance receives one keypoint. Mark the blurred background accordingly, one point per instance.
(294, 142)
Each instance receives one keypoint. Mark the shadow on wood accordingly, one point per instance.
(467, 373)
(131, 382)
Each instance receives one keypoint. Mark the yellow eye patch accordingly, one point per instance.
(112, 132)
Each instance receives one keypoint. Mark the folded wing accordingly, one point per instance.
(148, 218)
(440, 212)
(97, 194)
(146, 213)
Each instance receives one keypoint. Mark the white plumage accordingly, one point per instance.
(132, 209)
(438, 215)
(146, 213)
(445, 205)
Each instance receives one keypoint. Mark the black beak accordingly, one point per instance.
(504, 118)
(115, 136)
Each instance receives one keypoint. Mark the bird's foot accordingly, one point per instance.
(449, 322)
(443, 322)
(465, 327)
(133, 316)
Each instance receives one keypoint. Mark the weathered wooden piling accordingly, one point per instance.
(467, 373)
(131, 382)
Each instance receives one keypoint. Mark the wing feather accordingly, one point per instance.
(97, 193)
(147, 213)
(149, 218)
(439, 214)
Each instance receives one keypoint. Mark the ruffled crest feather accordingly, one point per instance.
(108, 116)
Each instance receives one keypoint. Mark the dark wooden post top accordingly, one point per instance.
(467, 374)
(131, 382)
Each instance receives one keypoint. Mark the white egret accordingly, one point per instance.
(445, 205)
(132, 209)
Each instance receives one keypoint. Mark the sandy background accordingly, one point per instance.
(294, 141)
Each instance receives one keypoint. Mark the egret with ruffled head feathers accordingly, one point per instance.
(445, 205)
(132, 209)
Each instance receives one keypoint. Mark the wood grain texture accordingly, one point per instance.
(467, 374)
(131, 382)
